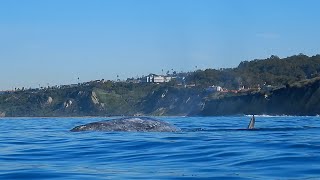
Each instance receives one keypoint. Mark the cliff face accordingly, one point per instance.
(302, 98)
(173, 101)
(298, 99)
(100, 102)
(47, 103)
(158, 102)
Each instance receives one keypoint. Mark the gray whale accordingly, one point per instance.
(131, 124)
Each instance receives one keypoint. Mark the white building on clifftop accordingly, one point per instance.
(153, 78)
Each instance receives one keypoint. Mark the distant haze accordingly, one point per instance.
(56, 42)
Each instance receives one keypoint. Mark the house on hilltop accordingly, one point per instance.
(214, 88)
(153, 78)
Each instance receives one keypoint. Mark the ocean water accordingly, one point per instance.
(207, 148)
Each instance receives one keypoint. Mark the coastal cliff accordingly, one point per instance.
(288, 86)
(301, 98)
(92, 101)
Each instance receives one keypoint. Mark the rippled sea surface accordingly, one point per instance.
(207, 148)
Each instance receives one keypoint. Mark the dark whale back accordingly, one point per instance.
(132, 124)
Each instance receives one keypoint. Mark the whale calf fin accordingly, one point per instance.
(251, 124)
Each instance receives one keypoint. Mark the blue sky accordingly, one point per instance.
(55, 41)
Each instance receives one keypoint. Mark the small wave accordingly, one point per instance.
(283, 129)
(273, 116)
(255, 129)
(266, 115)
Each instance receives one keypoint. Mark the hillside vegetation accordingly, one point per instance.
(272, 71)
(270, 86)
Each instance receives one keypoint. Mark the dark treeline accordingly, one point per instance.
(271, 71)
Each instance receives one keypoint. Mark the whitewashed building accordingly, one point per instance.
(153, 78)
(215, 89)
